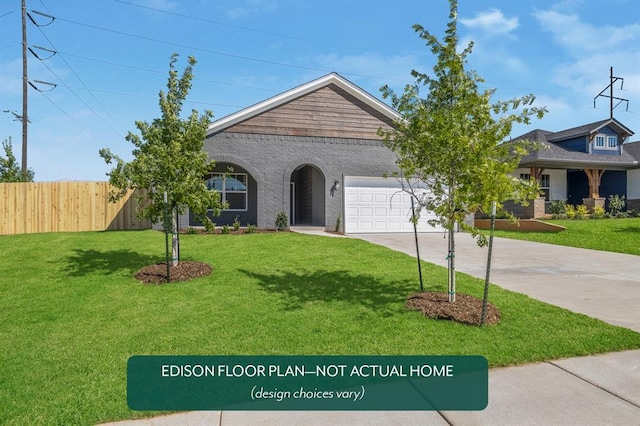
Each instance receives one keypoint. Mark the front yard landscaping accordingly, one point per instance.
(615, 235)
(71, 313)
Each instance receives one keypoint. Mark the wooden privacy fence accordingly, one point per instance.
(64, 207)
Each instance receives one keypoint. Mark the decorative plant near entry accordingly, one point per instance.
(558, 209)
(616, 204)
(598, 213)
(581, 212)
(281, 221)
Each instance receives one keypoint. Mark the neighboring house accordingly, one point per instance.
(585, 164)
(314, 153)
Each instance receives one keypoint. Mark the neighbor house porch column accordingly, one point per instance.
(594, 200)
(536, 208)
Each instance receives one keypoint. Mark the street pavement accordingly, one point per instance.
(593, 390)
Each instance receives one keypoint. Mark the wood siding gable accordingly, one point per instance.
(328, 111)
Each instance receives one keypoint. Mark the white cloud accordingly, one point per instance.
(569, 31)
(586, 51)
(590, 75)
(491, 22)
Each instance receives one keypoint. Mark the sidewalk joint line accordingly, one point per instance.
(594, 384)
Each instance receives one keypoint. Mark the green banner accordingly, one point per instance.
(307, 382)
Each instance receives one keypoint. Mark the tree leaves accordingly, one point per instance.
(168, 156)
(10, 171)
(453, 136)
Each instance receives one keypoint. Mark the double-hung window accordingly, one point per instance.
(606, 142)
(545, 184)
(232, 188)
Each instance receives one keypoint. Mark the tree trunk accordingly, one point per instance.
(174, 240)
(178, 234)
(452, 264)
(452, 243)
(485, 297)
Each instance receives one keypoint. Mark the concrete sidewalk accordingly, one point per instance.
(593, 390)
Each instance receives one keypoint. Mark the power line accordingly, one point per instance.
(63, 111)
(219, 53)
(224, 24)
(135, 67)
(139, 95)
(184, 46)
(118, 132)
(7, 13)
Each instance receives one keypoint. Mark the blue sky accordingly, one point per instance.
(113, 58)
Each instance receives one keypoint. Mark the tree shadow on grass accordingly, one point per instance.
(300, 288)
(629, 229)
(108, 262)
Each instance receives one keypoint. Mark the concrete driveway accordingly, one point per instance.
(599, 284)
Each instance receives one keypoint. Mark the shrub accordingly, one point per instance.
(251, 229)
(558, 209)
(616, 204)
(191, 230)
(225, 229)
(581, 212)
(598, 213)
(281, 221)
(570, 211)
(236, 224)
(210, 227)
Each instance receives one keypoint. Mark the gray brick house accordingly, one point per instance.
(312, 152)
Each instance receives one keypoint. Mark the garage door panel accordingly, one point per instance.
(380, 205)
(366, 197)
(381, 211)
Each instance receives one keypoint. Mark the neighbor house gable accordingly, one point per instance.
(327, 107)
(575, 148)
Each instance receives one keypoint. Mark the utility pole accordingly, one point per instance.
(611, 92)
(612, 81)
(25, 87)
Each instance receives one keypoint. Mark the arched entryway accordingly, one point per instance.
(307, 196)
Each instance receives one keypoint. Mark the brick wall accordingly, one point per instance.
(271, 159)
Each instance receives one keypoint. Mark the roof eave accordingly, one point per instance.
(578, 164)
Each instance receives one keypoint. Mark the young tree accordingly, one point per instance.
(10, 170)
(168, 159)
(451, 140)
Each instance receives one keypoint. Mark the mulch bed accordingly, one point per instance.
(186, 270)
(466, 309)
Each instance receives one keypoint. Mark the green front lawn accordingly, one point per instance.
(616, 235)
(71, 314)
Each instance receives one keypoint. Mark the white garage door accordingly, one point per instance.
(379, 205)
